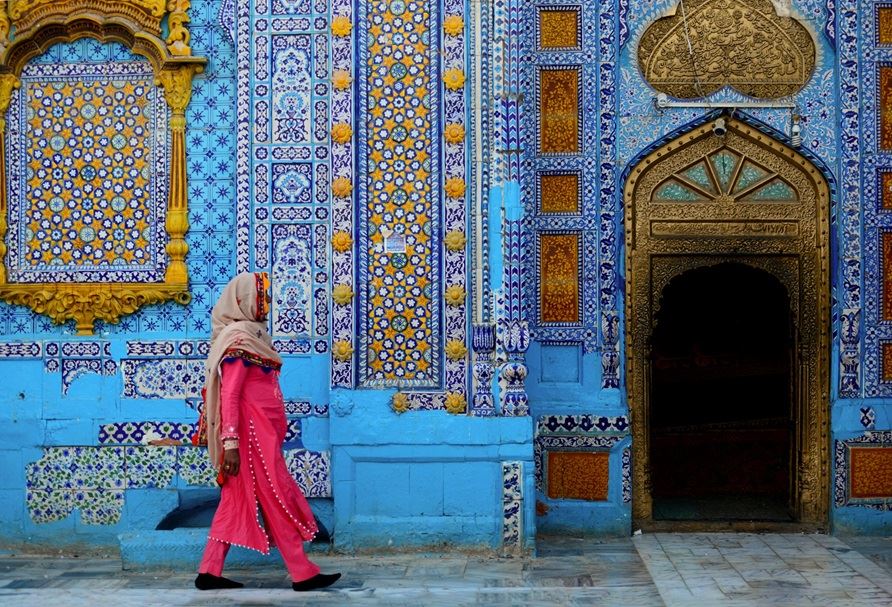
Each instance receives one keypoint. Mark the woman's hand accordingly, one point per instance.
(231, 462)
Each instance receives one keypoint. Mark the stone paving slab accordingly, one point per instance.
(662, 569)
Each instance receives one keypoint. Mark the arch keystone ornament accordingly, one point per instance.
(742, 44)
(137, 24)
(702, 200)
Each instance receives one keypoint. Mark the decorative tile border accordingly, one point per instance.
(141, 433)
(853, 116)
(842, 470)
(305, 408)
(627, 475)
(343, 212)
(512, 507)
(190, 348)
(581, 424)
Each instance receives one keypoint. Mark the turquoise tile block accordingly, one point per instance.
(381, 488)
(425, 497)
(12, 511)
(77, 431)
(471, 488)
(13, 469)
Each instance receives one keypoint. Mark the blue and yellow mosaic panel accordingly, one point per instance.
(398, 248)
(88, 152)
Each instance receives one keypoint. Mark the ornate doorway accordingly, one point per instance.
(720, 198)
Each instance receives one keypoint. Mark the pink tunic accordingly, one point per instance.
(253, 410)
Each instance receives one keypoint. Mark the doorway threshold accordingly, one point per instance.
(737, 526)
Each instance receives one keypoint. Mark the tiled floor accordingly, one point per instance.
(685, 570)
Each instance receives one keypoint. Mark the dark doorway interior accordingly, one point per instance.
(721, 397)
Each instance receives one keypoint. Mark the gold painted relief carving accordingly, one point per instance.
(743, 44)
(558, 28)
(137, 24)
(715, 216)
(559, 193)
(559, 117)
(559, 278)
(870, 472)
(32, 14)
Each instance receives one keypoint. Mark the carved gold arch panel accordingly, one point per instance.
(37, 25)
(714, 214)
(705, 45)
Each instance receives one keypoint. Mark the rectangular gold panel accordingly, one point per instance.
(578, 475)
(558, 28)
(886, 190)
(730, 229)
(886, 269)
(884, 24)
(870, 472)
(559, 193)
(559, 111)
(559, 278)
(886, 361)
(885, 107)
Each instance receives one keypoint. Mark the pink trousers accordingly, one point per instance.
(283, 534)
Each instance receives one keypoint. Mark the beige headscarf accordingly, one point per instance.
(238, 330)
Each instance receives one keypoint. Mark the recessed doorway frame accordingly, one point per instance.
(789, 240)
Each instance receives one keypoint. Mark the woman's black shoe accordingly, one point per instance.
(206, 581)
(320, 580)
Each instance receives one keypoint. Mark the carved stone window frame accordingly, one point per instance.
(38, 24)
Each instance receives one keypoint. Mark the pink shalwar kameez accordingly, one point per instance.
(253, 411)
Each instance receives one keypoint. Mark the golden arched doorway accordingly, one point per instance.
(734, 195)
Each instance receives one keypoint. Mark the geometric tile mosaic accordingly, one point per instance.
(93, 210)
(399, 314)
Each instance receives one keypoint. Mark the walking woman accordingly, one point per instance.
(245, 426)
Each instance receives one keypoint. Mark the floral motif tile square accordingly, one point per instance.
(194, 467)
(99, 506)
(150, 466)
(48, 505)
(311, 470)
(99, 468)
